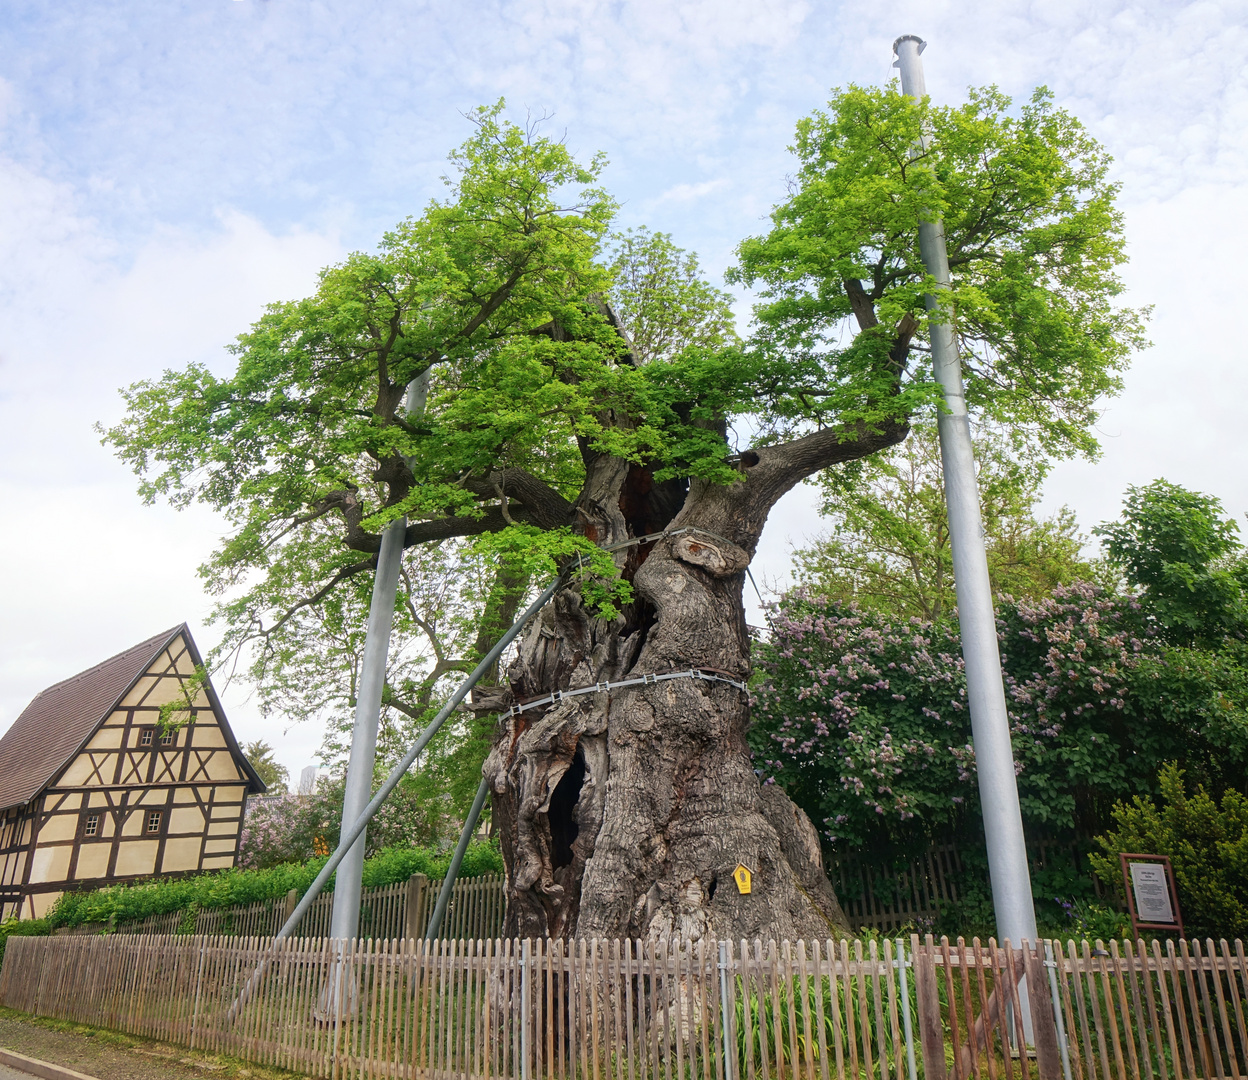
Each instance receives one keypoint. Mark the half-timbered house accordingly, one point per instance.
(94, 789)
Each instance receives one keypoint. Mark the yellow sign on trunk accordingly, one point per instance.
(742, 876)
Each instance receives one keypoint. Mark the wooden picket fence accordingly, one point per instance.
(401, 910)
(882, 898)
(878, 895)
(632, 1010)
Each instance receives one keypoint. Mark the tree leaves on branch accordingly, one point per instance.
(1034, 240)
(551, 344)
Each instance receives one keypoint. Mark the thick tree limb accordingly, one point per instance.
(780, 467)
(899, 354)
(421, 532)
(860, 304)
(546, 506)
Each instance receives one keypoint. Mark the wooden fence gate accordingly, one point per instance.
(655, 1010)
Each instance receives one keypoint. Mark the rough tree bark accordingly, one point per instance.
(624, 814)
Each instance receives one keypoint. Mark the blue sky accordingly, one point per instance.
(167, 168)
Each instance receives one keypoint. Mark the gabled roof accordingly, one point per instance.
(57, 723)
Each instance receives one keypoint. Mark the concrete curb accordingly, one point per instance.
(36, 1067)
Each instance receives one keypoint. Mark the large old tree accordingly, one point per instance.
(580, 402)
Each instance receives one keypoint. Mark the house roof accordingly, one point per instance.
(59, 721)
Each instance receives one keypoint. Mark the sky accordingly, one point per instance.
(168, 168)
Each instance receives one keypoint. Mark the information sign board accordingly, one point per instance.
(1151, 896)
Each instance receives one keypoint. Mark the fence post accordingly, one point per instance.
(199, 982)
(414, 906)
(288, 909)
(726, 1011)
(524, 1010)
(931, 1029)
(902, 963)
(1044, 1031)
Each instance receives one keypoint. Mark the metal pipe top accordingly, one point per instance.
(907, 49)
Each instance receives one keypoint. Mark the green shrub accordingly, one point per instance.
(1208, 848)
(1095, 922)
(11, 927)
(224, 888)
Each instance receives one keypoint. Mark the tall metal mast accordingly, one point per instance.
(345, 919)
(990, 724)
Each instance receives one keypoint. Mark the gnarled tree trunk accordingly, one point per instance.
(625, 813)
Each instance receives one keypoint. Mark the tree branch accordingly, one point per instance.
(860, 304)
(546, 506)
(319, 595)
(780, 467)
(421, 532)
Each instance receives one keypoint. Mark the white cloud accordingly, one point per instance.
(88, 569)
(684, 193)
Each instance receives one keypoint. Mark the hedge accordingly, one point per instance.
(225, 888)
(30, 928)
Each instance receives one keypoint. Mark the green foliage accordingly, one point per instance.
(310, 422)
(1033, 239)
(225, 888)
(862, 717)
(889, 549)
(1094, 922)
(1207, 843)
(271, 772)
(13, 927)
(398, 864)
(660, 295)
(1175, 546)
(852, 1009)
(495, 293)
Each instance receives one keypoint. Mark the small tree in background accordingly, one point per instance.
(888, 545)
(1184, 556)
(296, 828)
(273, 774)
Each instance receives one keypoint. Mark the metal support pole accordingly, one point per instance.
(911, 1065)
(990, 727)
(349, 836)
(345, 920)
(457, 860)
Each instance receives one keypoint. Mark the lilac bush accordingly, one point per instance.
(862, 718)
(295, 828)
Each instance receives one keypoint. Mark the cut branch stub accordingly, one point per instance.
(719, 558)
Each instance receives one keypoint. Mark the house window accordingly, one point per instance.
(91, 825)
(146, 736)
(167, 737)
(153, 821)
